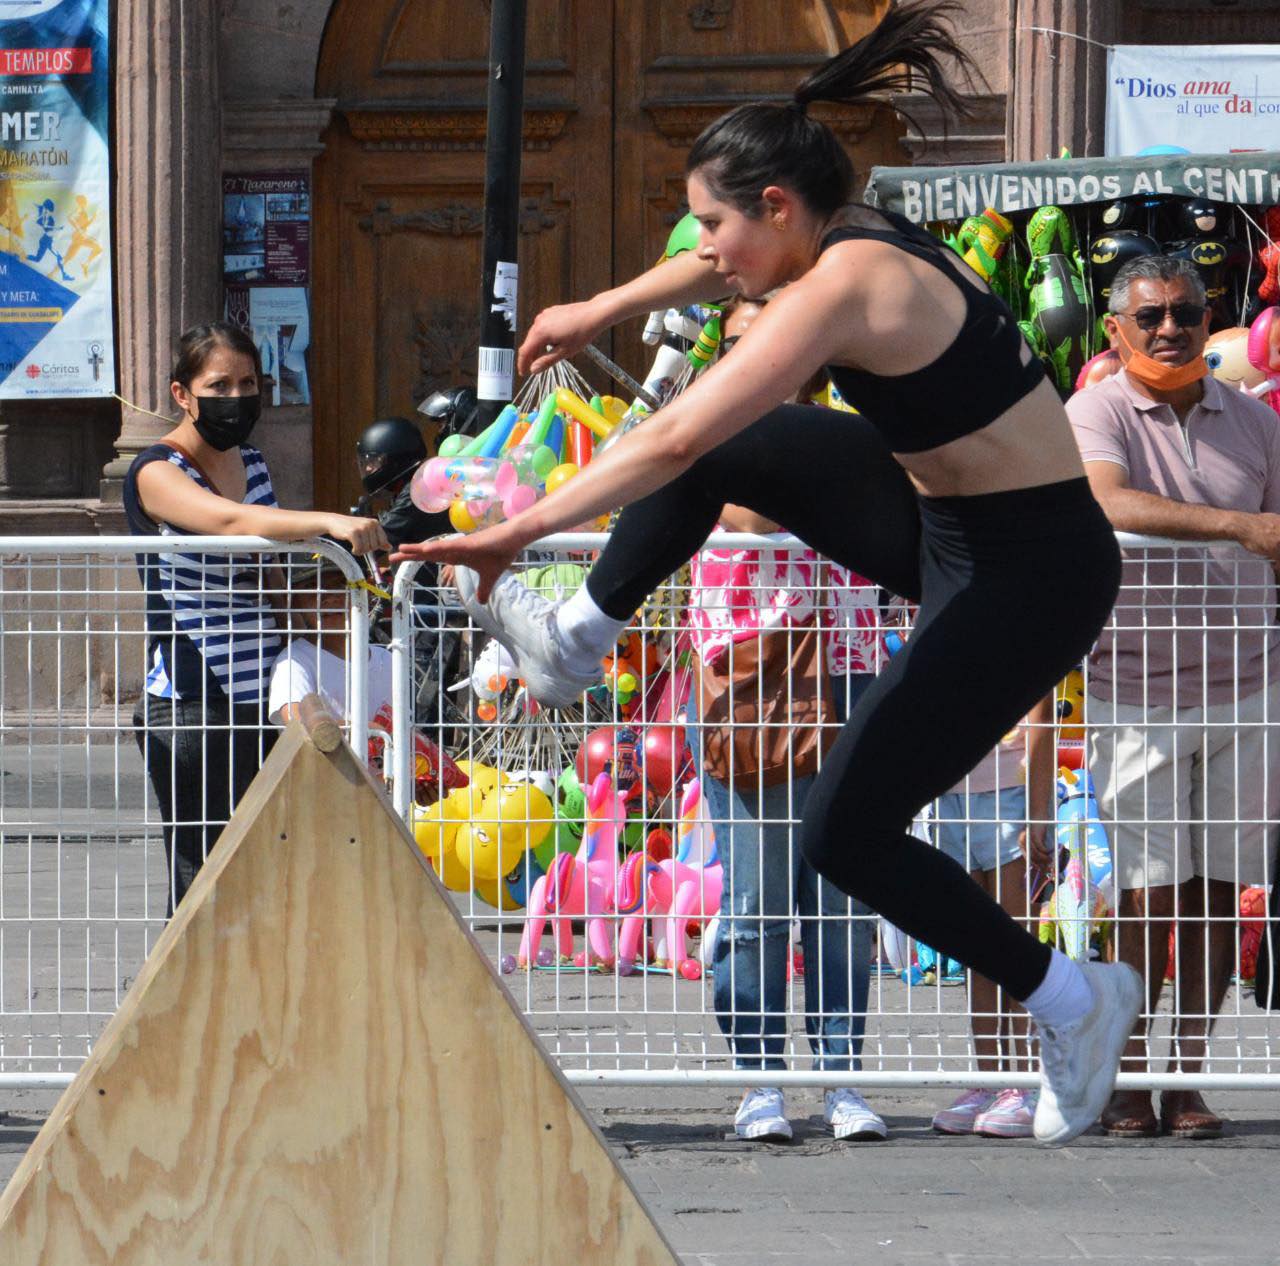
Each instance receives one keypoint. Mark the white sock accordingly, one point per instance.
(1063, 996)
(588, 633)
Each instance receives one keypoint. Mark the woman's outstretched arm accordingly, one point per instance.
(569, 327)
(799, 331)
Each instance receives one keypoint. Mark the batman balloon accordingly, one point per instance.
(1110, 253)
(1223, 265)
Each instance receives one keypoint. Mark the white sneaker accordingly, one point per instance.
(1078, 1062)
(850, 1117)
(525, 623)
(760, 1116)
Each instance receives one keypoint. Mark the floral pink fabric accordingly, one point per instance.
(738, 593)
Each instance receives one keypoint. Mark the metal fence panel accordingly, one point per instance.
(1176, 694)
(84, 880)
(658, 1020)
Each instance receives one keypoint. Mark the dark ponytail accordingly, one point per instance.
(763, 144)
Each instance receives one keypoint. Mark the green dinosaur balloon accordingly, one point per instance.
(1049, 232)
(1060, 310)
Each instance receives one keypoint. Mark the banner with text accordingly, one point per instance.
(1209, 99)
(926, 194)
(56, 334)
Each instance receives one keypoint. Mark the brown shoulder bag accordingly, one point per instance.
(766, 708)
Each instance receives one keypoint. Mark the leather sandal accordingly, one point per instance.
(1183, 1115)
(1130, 1115)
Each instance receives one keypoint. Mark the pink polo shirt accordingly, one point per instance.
(1197, 625)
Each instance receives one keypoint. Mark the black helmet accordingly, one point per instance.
(455, 409)
(1108, 254)
(387, 450)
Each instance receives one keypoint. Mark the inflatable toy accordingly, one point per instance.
(1269, 258)
(671, 893)
(613, 750)
(1084, 894)
(1097, 369)
(1059, 306)
(1109, 253)
(1227, 355)
(1264, 354)
(982, 242)
(434, 828)
(1253, 924)
(580, 885)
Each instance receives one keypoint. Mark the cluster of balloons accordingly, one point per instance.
(482, 836)
(516, 460)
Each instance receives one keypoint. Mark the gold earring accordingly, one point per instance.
(779, 223)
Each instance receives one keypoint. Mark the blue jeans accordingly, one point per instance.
(766, 881)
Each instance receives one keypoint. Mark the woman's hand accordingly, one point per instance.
(556, 333)
(363, 535)
(487, 553)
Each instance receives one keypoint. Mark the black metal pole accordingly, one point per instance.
(499, 287)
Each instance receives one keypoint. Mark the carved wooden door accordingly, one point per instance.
(615, 92)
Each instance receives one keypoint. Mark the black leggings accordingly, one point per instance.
(1013, 589)
(201, 757)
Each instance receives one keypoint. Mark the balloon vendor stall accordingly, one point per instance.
(553, 806)
(1050, 237)
(557, 423)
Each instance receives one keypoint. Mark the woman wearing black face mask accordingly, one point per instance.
(211, 633)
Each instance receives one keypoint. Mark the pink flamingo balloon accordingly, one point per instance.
(676, 892)
(1264, 353)
(580, 885)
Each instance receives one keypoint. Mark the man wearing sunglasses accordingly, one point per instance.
(1184, 690)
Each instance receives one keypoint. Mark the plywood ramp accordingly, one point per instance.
(316, 1065)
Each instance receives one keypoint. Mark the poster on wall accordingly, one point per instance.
(1202, 99)
(56, 333)
(266, 270)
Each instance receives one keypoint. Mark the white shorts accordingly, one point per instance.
(1188, 791)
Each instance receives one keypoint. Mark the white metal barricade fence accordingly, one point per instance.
(657, 1006)
(85, 875)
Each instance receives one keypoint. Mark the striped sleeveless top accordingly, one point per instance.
(210, 632)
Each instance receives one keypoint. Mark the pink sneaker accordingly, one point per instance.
(1011, 1115)
(960, 1116)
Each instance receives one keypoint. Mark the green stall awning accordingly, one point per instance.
(925, 194)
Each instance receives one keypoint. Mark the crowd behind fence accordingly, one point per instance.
(585, 853)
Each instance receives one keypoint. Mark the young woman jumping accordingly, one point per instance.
(959, 485)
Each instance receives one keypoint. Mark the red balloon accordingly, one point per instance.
(664, 754)
(615, 751)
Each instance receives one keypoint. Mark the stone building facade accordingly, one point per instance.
(381, 101)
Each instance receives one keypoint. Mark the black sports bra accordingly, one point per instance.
(970, 385)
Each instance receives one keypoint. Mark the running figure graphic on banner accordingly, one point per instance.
(80, 221)
(45, 222)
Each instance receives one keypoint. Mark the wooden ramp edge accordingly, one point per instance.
(317, 1065)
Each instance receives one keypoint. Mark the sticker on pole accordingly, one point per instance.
(495, 377)
(505, 286)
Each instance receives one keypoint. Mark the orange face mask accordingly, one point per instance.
(1157, 375)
